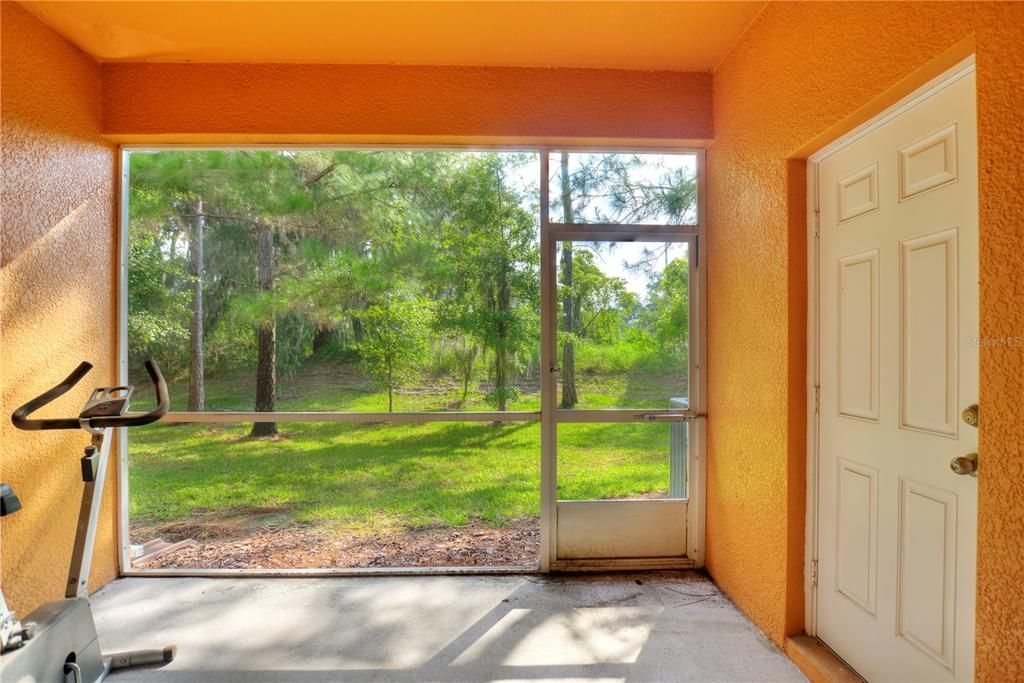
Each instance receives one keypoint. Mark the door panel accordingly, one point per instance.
(858, 193)
(927, 569)
(857, 380)
(928, 344)
(857, 533)
(898, 282)
(928, 163)
(592, 529)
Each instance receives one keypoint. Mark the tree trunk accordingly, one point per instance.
(266, 365)
(391, 384)
(468, 361)
(196, 371)
(499, 377)
(359, 303)
(501, 348)
(168, 277)
(357, 329)
(569, 398)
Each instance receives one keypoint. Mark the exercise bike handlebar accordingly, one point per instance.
(21, 420)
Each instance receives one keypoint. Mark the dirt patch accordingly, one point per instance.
(300, 547)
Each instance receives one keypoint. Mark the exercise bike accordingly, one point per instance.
(58, 641)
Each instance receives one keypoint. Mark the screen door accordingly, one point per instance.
(621, 347)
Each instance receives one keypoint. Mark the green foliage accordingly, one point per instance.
(410, 261)
(294, 341)
(157, 311)
(396, 339)
(457, 355)
(357, 234)
(668, 309)
(637, 350)
(230, 345)
(603, 306)
(489, 261)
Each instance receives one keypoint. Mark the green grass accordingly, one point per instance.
(362, 476)
(385, 477)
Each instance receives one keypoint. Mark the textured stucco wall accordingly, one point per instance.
(288, 101)
(801, 74)
(57, 305)
(1000, 647)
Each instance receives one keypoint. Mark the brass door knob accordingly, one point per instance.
(965, 464)
(970, 415)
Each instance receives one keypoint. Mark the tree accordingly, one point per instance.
(158, 309)
(489, 261)
(669, 305)
(601, 305)
(569, 397)
(372, 218)
(267, 255)
(246, 215)
(395, 339)
(197, 371)
(465, 352)
(266, 366)
(166, 194)
(168, 191)
(265, 203)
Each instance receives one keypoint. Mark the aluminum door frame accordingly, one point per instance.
(693, 506)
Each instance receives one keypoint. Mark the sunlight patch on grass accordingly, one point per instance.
(375, 477)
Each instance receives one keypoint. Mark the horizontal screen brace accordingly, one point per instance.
(228, 417)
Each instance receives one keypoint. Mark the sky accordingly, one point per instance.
(621, 259)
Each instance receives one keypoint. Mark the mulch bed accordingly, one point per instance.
(299, 547)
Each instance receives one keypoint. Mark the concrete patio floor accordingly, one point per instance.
(673, 626)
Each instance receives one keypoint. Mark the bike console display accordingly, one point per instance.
(107, 402)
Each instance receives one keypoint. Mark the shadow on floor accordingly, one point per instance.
(672, 626)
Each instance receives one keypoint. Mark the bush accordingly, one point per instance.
(637, 350)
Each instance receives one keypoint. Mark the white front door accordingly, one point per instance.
(898, 362)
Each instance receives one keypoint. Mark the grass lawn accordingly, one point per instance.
(377, 478)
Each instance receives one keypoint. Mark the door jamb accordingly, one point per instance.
(960, 70)
(813, 401)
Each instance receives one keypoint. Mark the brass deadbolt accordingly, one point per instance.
(970, 415)
(965, 464)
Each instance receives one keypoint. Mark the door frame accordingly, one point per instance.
(696, 460)
(813, 386)
(695, 415)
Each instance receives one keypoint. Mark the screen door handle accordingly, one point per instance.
(671, 417)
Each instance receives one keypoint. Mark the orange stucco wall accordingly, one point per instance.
(366, 103)
(802, 74)
(57, 284)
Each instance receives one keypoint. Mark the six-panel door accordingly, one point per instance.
(899, 361)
